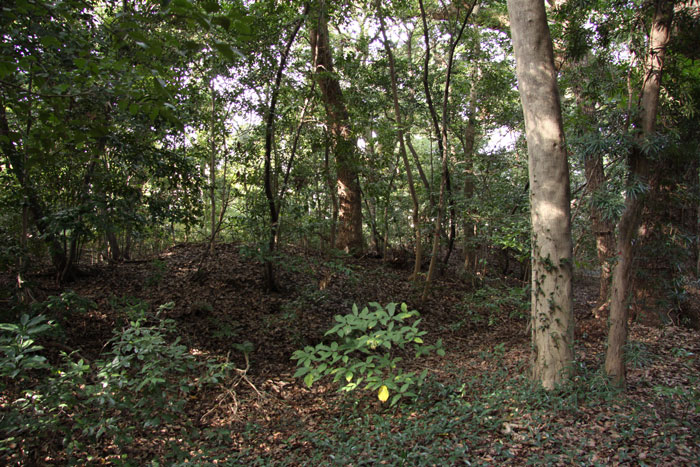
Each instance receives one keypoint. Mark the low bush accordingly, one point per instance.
(362, 352)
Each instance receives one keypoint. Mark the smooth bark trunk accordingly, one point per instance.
(602, 228)
(212, 171)
(468, 192)
(552, 322)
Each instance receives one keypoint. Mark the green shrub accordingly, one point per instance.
(141, 382)
(18, 348)
(363, 352)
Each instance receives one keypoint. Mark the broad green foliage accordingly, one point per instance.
(20, 352)
(363, 354)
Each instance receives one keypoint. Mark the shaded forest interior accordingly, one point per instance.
(349, 233)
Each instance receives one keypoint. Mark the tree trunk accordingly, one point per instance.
(552, 270)
(114, 252)
(468, 141)
(641, 170)
(603, 228)
(441, 132)
(453, 219)
(349, 235)
(274, 204)
(375, 240)
(33, 203)
(333, 195)
(468, 193)
(212, 170)
(402, 151)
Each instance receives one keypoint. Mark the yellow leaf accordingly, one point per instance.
(383, 394)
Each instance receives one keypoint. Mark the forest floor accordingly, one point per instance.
(475, 407)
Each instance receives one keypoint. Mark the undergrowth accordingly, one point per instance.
(80, 412)
(496, 417)
(137, 387)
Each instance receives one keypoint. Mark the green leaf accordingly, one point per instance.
(309, 379)
(211, 7)
(222, 21)
(50, 41)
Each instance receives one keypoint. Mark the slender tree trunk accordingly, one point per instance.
(421, 172)
(349, 235)
(552, 269)
(442, 135)
(641, 171)
(372, 212)
(115, 253)
(468, 193)
(212, 171)
(418, 249)
(468, 142)
(697, 247)
(34, 205)
(602, 227)
(385, 244)
(453, 218)
(270, 184)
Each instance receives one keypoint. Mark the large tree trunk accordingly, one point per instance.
(641, 171)
(552, 270)
(349, 235)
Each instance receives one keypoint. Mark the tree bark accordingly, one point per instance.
(418, 249)
(349, 235)
(552, 269)
(212, 169)
(602, 227)
(441, 133)
(332, 193)
(270, 192)
(641, 169)
(468, 226)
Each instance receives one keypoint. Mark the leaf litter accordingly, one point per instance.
(220, 303)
